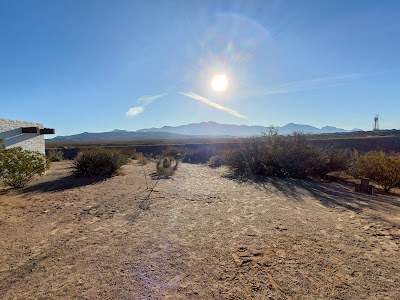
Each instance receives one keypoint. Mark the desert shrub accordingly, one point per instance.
(175, 152)
(54, 155)
(134, 154)
(216, 161)
(289, 156)
(128, 151)
(98, 162)
(141, 159)
(197, 156)
(166, 166)
(18, 166)
(272, 155)
(283, 156)
(380, 167)
(236, 160)
(330, 159)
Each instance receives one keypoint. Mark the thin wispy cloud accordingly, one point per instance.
(213, 104)
(144, 100)
(147, 99)
(303, 85)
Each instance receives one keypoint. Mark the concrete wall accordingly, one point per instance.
(12, 136)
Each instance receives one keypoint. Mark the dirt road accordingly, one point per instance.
(200, 235)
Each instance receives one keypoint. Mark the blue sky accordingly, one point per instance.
(100, 65)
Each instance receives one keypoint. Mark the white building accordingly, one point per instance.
(27, 135)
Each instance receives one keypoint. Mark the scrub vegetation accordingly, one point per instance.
(18, 166)
(99, 162)
(166, 166)
(54, 155)
(290, 156)
(382, 168)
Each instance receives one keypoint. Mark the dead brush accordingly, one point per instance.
(141, 159)
(216, 161)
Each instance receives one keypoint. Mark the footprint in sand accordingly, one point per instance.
(251, 231)
(339, 226)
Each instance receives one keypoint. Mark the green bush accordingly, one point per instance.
(98, 162)
(380, 167)
(54, 155)
(18, 166)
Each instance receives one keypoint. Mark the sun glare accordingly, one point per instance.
(219, 82)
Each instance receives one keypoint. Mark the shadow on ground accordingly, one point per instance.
(4, 191)
(329, 194)
(61, 184)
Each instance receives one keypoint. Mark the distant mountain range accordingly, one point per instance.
(117, 136)
(216, 129)
(190, 131)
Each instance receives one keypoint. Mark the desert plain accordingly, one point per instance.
(202, 234)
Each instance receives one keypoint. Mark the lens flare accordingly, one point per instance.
(219, 82)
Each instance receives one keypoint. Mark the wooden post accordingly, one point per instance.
(364, 185)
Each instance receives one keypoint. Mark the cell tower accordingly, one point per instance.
(376, 122)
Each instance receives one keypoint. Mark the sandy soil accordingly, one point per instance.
(201, 235)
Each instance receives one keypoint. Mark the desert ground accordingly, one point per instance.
(202, 234)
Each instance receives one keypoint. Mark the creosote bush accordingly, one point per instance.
(197, 156)
(98, 162)
(290, 156)
(331, 159)
(18, 166)
(55, 155)
(141, 159)
(216, 161)
(380, 167)
(175, 152)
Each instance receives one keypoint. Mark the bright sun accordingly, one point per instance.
(219, 82)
